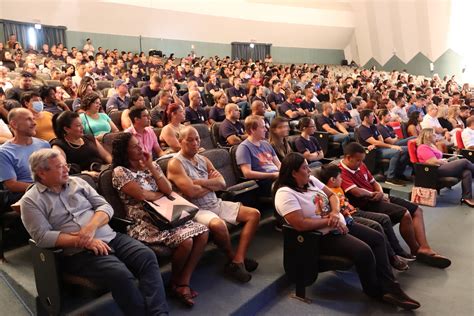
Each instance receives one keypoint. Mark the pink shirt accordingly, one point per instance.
(147, 140)
(425, 153)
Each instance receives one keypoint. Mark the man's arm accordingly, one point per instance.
(111, 105)
(214, 182)
(16, 186)
(256, 175)
(378, 142)
(342, 128)
(178, 176)
(329, 129)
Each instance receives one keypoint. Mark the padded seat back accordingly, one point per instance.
(108, 139)
(205, 135)
(222, 161)
(459, 139)
(412, 151)
(215, 133)
(397, 128)
(116, 117)
(111, 195)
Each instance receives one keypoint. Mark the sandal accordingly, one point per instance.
(171, 288)
(185, 298)
(434, 260)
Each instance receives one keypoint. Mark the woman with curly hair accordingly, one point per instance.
(139, 179)
(94, 122)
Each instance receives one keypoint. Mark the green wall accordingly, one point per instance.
(449, 63)
(183, 48)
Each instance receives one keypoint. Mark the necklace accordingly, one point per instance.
(72, 145)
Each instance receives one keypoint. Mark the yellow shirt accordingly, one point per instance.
(44, 126)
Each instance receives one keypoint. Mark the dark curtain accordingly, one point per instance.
(46, 35)
(244, 51)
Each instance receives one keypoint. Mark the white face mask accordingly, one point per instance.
(38, 106)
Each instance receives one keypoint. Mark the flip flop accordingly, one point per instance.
(433, 260)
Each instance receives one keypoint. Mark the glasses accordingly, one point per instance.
(66, 165)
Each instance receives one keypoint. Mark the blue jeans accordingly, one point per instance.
(118, 271)
(243, 105)
(398, 160)
(404, 142)
(340, 138)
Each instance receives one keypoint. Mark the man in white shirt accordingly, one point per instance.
(88, 48)
(468, 134)
(399, 110)
(430, 120)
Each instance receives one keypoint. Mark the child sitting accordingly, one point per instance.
(331, 176)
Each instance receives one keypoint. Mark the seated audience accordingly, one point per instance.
(326, 123)
(162, 100)
(330, 175)
(427, 152)
(430, 120)
(142, 131)
(136, 100)
(83, 89)
(212, 86)
(413, 124)
(367, 194)
(387, 132)
(255, 156)
(231, 131)
(306, 144)
(67, 89)
(198, 180)
(279, 131)
(67, 213)
(370, 137)
(44, 120)
(139, 179)
(192, 86)
(269, 114)
(276, 97)
(399, 111)
(307, 103)
(195, 114)
(94, 122)
(174, 117)
(468, 134)
(454, 118)
(51, 104)
(82, 151)
(217, 113)
(296, 193)
(15, 175)
(25, 85)
(120, 100)
(342, 115)
(238, 95)
(151, 90)
(289, 109)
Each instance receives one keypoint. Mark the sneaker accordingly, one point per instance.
(406, 256)
(406, 179)
(379, 177)
(398, 264)
(395, 182)
(250, 264)
(237, 272)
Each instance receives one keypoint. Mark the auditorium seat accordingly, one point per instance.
(205, 135)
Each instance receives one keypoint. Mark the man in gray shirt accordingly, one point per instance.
(67, 213)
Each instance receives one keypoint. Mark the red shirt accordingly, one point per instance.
(361, 178)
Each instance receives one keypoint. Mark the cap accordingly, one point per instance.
(118, 83)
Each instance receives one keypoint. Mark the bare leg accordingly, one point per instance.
(199, 243)
(179, 259)
(419, 227)
(408, 232)
(251, 218)
(221, 236)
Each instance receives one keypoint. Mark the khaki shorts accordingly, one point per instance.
(225, 210)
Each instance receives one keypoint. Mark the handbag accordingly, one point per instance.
(423, 196)
(170, 211)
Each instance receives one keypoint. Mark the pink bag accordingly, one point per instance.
(424, 196)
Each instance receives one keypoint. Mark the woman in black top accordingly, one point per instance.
(307, 144)
(279, 130)
(77, 148)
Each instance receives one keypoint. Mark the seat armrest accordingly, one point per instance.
(426, 175)
(47, 276)
(468, 154)
(301, 255)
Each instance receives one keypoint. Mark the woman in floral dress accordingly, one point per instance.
(138, 178)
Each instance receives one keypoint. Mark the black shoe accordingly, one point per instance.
(398, 264)
(250, 264)
(395, 182)
(237, 272)
(406, 256)
(401, 300)
(379, 177)
(406, 179)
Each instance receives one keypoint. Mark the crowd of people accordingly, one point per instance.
(54, 118)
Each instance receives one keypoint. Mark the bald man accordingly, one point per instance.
(195, 114)
(15, 174)
(198, 180)
(231, 130)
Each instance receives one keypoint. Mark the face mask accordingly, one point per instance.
(38, 106)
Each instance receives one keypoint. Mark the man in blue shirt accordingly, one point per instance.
(120, 100)
(15, 174)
